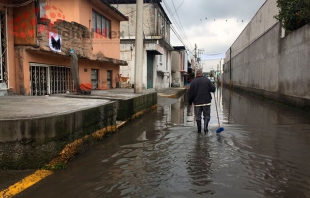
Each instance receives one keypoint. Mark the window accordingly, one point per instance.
(100, 24)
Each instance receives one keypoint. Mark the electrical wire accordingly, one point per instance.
(178, 30)
(182, 29)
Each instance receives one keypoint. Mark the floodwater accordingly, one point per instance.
(263, 152)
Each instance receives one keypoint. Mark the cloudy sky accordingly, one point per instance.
(211, 24)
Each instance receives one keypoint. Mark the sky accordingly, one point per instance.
(213, 25)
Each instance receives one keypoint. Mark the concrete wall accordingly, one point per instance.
(274, 67)
(128, 108)
(294, 71)
(163, 64)
(262, 21)
(175, 66)
(154, 22)
(33, 142)
(178, 63)
(160, 64)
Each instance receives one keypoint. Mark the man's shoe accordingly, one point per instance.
(206, 131)
(206, 123)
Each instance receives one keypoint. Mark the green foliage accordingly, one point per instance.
(293, 13)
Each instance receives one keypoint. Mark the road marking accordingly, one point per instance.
(25, 183)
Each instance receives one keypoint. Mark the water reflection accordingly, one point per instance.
(199, 166)
(176, 111)
(263, 152)
(272, 141)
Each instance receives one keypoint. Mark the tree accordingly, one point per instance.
(293, 13)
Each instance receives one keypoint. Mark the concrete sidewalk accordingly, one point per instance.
(31, 124)
(19, 107)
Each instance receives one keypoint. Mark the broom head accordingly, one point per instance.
(219, 130)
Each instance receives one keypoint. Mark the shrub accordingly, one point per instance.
(293, 13)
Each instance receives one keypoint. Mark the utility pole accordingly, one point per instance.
(139, 47)
(195, 57)
(199, 53)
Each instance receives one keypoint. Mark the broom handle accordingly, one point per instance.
(218, 120)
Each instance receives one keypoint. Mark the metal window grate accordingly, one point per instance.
(60, 80)
(50, 80)
(38, 81)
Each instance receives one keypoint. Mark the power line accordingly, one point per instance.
(180, 35)
(178, 7)
(179, 28)
(182, 29)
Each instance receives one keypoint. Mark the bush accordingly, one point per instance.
(293, 13)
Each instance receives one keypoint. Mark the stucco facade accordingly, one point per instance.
(157, 48)
(33, 67)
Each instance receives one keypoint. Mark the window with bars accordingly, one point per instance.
(50, 80)
(101, 25)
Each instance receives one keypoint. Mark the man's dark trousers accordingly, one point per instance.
(205, 111)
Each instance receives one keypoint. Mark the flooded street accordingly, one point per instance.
(263, 152)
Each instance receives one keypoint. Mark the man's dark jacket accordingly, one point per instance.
(199, 91)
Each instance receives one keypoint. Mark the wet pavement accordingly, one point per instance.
(263, 152)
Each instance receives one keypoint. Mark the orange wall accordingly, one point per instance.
(80, 11)
(85, 77)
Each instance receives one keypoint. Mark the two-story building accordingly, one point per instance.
(157, 48)
(37, 38)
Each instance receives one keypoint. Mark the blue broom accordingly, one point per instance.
(220, 129)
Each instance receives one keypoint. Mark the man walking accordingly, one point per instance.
(200, 95)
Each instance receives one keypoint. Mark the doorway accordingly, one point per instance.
(94, 78)
(109, 79)
(150, 70)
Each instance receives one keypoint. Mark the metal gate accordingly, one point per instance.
(60, 80)
(50, 80)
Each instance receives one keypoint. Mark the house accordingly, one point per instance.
(179, 66)
(157, 48)
(38, 38)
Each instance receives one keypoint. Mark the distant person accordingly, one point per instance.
(200, 95)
